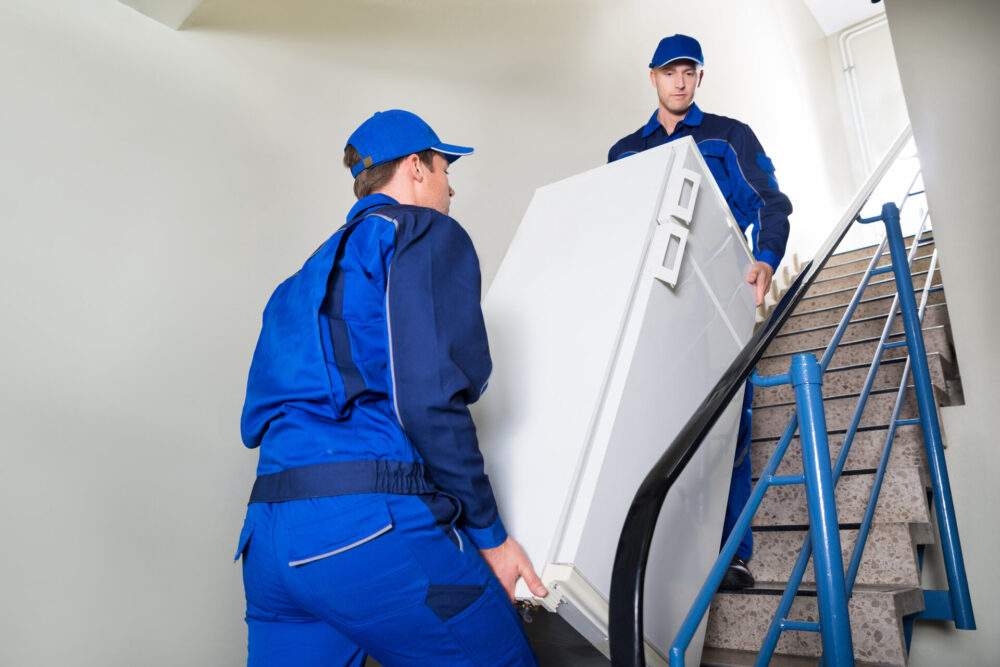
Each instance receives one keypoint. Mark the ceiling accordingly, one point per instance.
(171, 13)
(835, 15)
(831, 15)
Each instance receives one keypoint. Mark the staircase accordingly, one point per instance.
(888, 582)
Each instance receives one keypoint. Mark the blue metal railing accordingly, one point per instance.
(958, 585)
(823, 539)
(795, 578)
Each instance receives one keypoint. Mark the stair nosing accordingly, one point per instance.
(857, 341)
(854, 289)
(861, 273)
(857, 321)
(934, 288)
(809, 589)
(920, 244)
(843, 431)
(873, 392)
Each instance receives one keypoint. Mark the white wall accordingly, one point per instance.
(947, 55)
(879, 88)
(155, 186)
(883, 111)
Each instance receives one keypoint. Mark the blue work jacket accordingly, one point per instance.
(372, 352)
(741, 168)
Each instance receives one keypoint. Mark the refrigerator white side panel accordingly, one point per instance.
(665, 386)
(606, 336)
(554, 313)
(678, 343)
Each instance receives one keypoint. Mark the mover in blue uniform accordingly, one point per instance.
(746, 177)
(372, 527)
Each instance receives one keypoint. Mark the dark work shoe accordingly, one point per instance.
(737, 577)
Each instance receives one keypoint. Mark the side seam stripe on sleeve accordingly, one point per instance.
(388, 327)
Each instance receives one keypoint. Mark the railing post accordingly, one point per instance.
(944, 507)
(835, 628)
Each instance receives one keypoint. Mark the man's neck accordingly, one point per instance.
(669, 120)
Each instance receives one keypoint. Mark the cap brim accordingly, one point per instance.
(676, 58)
(452, 152)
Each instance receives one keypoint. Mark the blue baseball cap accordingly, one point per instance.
(396, 133)
(678, 47)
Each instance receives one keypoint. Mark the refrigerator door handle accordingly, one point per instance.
(659, 253)
(678, 201)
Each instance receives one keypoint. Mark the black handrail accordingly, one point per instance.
(625, 629)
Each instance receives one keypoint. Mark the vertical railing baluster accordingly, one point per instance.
(835, 627)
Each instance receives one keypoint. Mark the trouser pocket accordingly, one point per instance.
(337, 534)
(488, 629)
(351, 565)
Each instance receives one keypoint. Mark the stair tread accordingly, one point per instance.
(859, 274)
(902, 500)
(889, 557)
(832, 327)
(851, 256)
(838, 397)
(886, 258)
(925, 236)
(881, 297)
(778, 587)
(856, 352)
(876, 307)
(893, 337)
(739, 620)
(845, 381)
(806, 322)
(772, 420)
(725, 657)
(814, 292)
(860, 265)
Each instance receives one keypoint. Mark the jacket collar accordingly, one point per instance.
(692, 118)
(367, 204)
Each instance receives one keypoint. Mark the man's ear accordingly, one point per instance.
(412, 164)
(701, 75)
(652, 76)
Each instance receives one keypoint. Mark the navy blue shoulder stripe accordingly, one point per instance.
(333, 307)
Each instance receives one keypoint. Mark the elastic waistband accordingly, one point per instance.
(341, 478)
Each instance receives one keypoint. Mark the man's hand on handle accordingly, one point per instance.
(509, 563)
(760, 277)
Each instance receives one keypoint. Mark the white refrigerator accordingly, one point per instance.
(619, 304)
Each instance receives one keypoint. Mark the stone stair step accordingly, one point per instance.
(918, 270)
(881, 286)
(927, 238)
(902, 499)
(860, 351)
(843, 381)
(819, 337)
(866, 451)
(739, 620)
(856, 268)
(835, 270)
(722, 657)
(771, 421)
(890, 555)
(874, 307)
(841, 299)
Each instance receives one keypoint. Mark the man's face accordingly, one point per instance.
(436, 193)
(676, 84)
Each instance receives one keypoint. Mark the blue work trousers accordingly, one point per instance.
(741, 485)
(330, 580)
